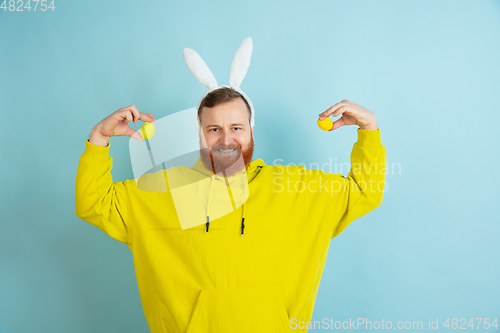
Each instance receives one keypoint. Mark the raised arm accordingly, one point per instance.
(363, 187)
(98, 200)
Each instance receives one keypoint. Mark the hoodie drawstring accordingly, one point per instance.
(209, 200)
(208, 209)
(243, 217)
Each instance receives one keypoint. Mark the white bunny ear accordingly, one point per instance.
(240, 63)
(199, 68)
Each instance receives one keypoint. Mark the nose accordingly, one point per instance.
(226, 137)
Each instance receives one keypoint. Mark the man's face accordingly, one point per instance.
(228, 139)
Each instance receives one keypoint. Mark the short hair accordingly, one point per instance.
(220, 96)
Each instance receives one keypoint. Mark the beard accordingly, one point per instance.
(230, 163)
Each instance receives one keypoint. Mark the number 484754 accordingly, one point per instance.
(21, 6)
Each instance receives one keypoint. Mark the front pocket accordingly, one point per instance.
(253, 309)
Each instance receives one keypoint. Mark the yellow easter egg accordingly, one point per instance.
(147, 131)
(325, 124)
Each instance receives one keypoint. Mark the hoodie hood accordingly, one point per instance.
(252, 169)
(237, 183)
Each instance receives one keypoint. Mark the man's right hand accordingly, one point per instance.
(116, 124)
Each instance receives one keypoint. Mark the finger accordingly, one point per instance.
(337, 124)
(330, 110)
(135, 112)
(147, 117)
(124, 114)
(141, 115)
(340, 110)
(133, 133)
(129, 116)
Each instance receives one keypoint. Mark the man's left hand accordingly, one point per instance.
(352, 114)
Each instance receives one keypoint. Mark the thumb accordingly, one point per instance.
(337, 123)
(133, 133)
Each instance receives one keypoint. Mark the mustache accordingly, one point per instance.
(215, 147)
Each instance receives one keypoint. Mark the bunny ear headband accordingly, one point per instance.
(239, 68)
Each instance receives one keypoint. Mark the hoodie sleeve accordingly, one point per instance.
(98, 200)
(364, 186)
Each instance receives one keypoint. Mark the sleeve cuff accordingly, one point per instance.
(369, 138)
(96, 154)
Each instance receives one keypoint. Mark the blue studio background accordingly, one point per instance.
(429, 70)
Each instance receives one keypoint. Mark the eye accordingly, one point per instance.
(212, 129)
(237, 128)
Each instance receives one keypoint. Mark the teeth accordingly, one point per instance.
(226, 150)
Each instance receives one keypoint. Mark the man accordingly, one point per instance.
(208, 278)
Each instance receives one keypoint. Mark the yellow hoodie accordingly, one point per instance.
(256, 269)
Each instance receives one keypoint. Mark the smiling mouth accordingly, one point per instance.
(226, 151)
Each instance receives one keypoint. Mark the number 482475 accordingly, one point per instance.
(20, 6)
